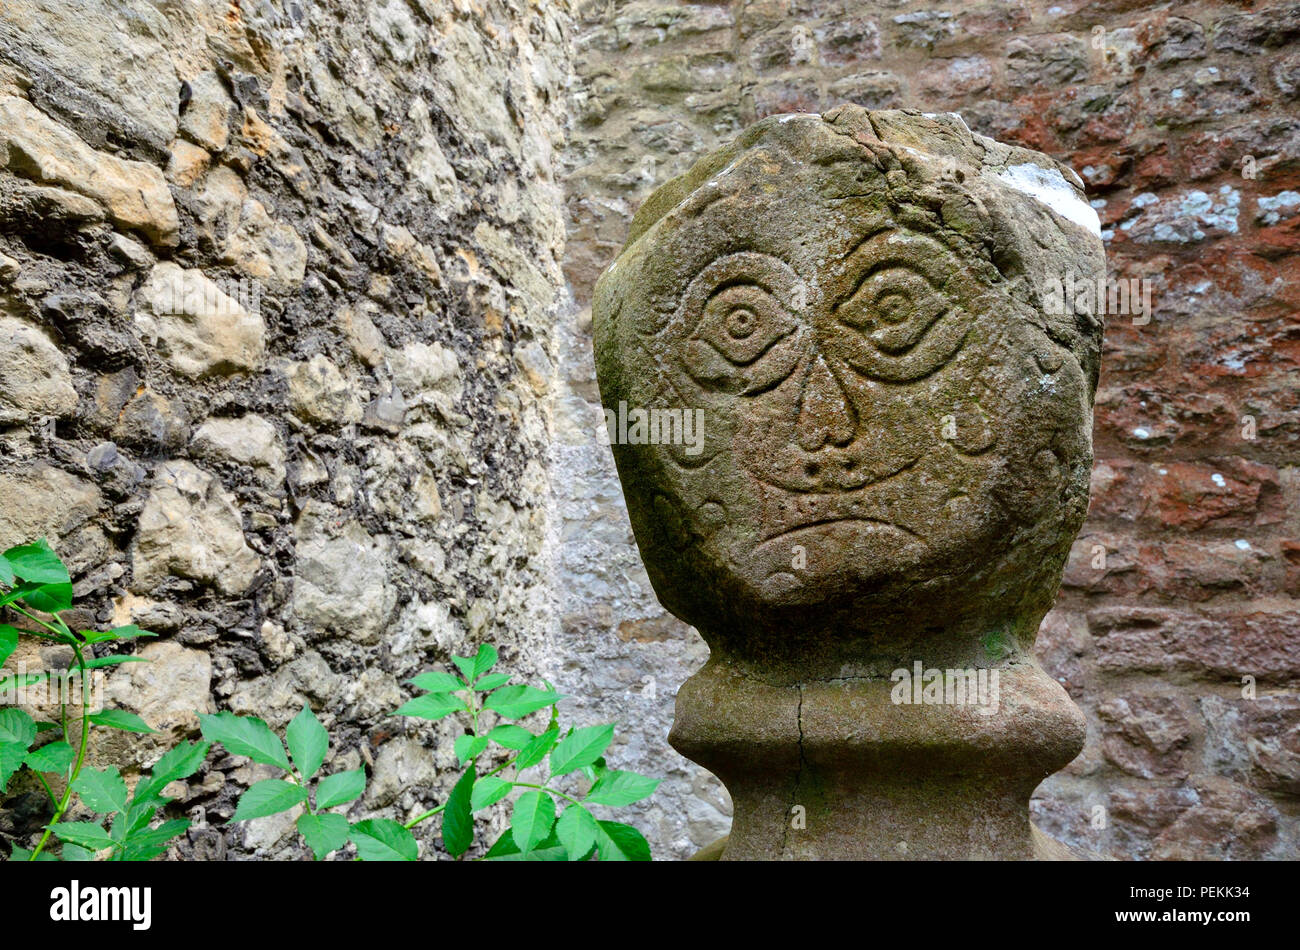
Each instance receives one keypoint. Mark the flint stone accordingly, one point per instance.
(189, 528)
(43, 501)
(134, 194)
(167, 691)
(342, 581)
(249, 441)
(35, 382)
(319, 393)
(108, 65)
(266, 250)
(198, 328)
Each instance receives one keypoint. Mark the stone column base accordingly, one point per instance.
(837, 770)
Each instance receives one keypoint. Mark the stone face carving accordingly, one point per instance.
(892, 461)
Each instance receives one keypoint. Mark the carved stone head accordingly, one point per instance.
(892, 413)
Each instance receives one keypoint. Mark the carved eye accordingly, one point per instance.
(894, 306)
(899, 322)
(742, 322)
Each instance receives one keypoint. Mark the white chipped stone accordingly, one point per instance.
(1050, 187)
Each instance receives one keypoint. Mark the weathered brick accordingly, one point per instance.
(1228, 822)
(1051, 59)
(848, 40)
(1224, 493)
(1146, 736)
(1224, 644)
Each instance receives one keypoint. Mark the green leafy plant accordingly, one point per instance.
(308, 742)
(556, 776)
(35, 585)
(550, 819)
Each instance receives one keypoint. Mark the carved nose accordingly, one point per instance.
(825, 412)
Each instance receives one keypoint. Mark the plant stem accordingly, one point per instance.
(427, 815)
(553, 791)
(48, 791)
(60, 635)
(62, 806)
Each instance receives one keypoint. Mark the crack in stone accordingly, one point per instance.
(798, 777)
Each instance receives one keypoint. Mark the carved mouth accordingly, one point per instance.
(788, 512)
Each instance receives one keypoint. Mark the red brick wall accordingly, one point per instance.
(1184, 120)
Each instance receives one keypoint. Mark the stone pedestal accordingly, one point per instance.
(848, 368)
(835, 770)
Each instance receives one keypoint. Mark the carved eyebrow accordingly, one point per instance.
(865, 238)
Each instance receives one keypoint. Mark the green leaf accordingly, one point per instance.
(488, 791)
(103, 661)
(23, 854)
(73, 852)
(379, 839)
(491, 682)
(504, 845)
(9, 597)
(595, 770)
(620, 842)
(505, 849)
(532, 819)
(536, 749)
(147, 844)
(438, 682)
(484, 661)
(17, 726)
(245, 735)
(516, 702)
(576, 830)
(340, 787)
(581, 747)
(48, 598)
(17, 733)
(268, 797)
(431, 706)
(511, 737)
(137, 818)
(323, 833)
(55, 757)
(128, 632)
(6, 572)
(85, 834)
(308, 742)
(181, 761)
(101, 789)
(466, 666)
(11, 760)
(8, 640)
(458, 816)
(120, 719)
(618, 788)
(469, 747)
(37, 563)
